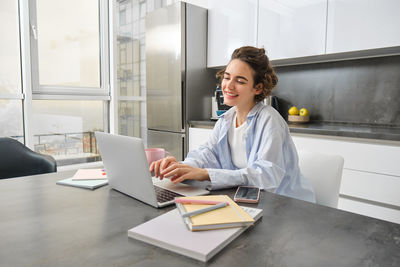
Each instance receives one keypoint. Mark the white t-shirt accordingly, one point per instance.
(237, 144)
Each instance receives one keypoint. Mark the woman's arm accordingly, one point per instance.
(265, 171)
(265, 168)
(192, 168)
(205, 155)
(197, 159)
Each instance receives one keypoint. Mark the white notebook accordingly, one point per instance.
(88, 184)
(168, 231)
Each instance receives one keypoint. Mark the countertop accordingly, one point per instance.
(44, 224)
(331, 129)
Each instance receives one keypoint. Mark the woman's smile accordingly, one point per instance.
(230, 95)
(238, 85)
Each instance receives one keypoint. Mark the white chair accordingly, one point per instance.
(325, 173)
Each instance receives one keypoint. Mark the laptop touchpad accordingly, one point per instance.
(180, 188)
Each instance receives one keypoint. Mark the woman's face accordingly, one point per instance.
(238, 85)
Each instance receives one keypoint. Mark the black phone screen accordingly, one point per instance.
(247, 193)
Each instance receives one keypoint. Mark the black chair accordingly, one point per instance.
(18, 160)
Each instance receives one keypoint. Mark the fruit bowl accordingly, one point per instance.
(298, 118)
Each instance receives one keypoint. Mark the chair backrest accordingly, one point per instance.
(325, 174)
(18, 160)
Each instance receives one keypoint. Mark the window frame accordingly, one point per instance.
(31, 88)
(103, 90)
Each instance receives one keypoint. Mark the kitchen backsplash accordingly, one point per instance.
(363, 91)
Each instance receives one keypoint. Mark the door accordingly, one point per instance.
(165, 68)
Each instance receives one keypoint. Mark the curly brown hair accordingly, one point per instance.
(259, 63)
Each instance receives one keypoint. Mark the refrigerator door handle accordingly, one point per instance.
(184, 146)
(183, 106)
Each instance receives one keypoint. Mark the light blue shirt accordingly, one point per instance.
(272, 161)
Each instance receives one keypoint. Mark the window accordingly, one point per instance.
(130, 64)
(54, 76)
(65, 129)
(70, 74)
(55, 73)
(11, 120)
(68, 43)
(129, 113)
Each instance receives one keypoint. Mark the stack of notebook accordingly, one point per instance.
(172, 232)
(86, 178)
(232, 215)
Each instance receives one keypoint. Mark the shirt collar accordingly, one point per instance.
(231, 112)
(255, 110)
(228, 116)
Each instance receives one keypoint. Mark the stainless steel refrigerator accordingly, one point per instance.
(179, 87)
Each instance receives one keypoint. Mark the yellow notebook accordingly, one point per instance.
(226, 217)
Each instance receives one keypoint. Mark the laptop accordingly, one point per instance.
(128, 172)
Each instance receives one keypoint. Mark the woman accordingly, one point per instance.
(250, 143)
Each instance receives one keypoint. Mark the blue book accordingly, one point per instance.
(88, 184)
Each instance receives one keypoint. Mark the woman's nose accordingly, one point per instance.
(229, 84)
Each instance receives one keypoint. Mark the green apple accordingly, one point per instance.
(293, 111)
(304, 112)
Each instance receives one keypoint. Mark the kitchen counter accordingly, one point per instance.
(331, 129)
(44, 224)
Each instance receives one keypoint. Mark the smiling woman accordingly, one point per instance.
(260, 67)
(250, 143)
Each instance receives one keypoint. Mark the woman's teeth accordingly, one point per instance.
(230, 94)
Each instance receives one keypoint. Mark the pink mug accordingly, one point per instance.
(154, 154)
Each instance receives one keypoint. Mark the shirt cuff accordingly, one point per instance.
(191, 162)
(224, 178)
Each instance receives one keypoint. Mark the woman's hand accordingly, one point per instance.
(159, 165)
(180, 172)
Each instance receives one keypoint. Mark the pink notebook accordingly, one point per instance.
(90, 174)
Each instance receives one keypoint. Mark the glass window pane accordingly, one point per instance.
(128, 49)
(68, 42)
(11, 123)
(128, 64)
(129, 118)
(65, 129)
(10, 71)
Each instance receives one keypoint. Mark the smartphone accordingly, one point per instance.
(248, 194)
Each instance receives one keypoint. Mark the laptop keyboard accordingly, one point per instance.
(164, 195)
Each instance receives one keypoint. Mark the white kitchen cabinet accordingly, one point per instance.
(198, 136)
(370, 210)
(200, 3)
(358, 154)
(362, 24)
(288, 29)
(371, 174)
(231, 24)
(371, 186)
(291, 29)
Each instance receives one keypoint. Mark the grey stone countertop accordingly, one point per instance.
(332, 129)
(44, 224)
